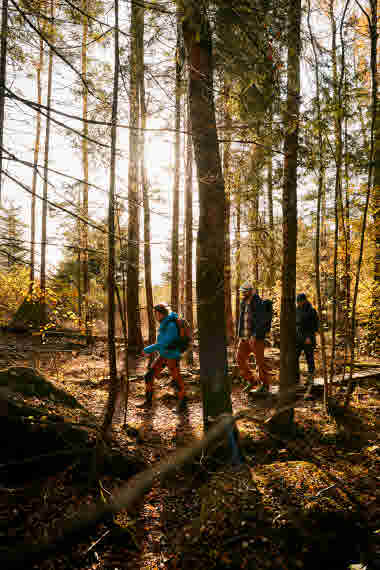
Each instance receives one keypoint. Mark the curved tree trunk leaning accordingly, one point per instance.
(210, 264)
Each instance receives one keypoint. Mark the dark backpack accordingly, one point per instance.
(185, 335)
(267, 305)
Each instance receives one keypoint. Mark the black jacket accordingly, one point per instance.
(307, 323)
(259, 319)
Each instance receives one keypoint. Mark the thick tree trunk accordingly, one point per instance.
(289, 267)
(175, 221)
(228, 189)
(84, 213)
(114, 381)
(35, 163)
(133, 307)
(189, 232)
(210, 264)
(46, 175)
(3, 80)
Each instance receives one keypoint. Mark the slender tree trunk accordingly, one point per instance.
(238, 256)
(35, 163)
(227, 251)
(86, 282)
(145, 185)
(289, 208)
(375, 312)
(189, 231)
(3, 80)
(114, 381)
(133, 307)
(270, 208)
(321, 176)
(210, 264)
(372, 26)
(177, 151)
(46, 176)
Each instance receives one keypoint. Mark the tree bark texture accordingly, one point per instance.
(289, 208)
(210, 262)
(133, 308)
(228, 188)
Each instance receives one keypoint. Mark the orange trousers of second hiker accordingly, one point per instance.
(175, 372)
(246, 347)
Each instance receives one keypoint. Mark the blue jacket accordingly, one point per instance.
(167, 336)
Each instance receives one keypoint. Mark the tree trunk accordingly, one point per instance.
(3, 80)
(145, 185)
(375, 313)
(321, 176)
(189, 231)
(284, 420)
(210, 264)
(84, 213)
(175, 222)
(237, 245)
(114, 382)
(35, 163)
(272, 275)
(227, 252)
(133, 307)
(372, 25)
(46, 176)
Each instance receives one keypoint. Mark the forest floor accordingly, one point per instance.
(310, 502)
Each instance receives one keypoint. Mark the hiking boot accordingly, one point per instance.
(182, 405)
(148, 403)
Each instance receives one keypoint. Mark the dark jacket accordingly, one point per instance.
(167, 336)
(258, 318)
(307, 323)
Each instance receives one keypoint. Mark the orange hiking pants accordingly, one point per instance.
(156, 369)
(246, 347)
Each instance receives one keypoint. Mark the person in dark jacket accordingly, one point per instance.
(307, 325)
(169, 355)
(251, 330)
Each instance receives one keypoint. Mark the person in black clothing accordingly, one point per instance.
(307, 326)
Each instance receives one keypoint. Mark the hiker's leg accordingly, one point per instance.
(153, 372)
(309, 353)
(258, 348)
(242, 356)
(174, 369)
(299, 349)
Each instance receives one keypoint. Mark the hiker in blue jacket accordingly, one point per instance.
(169, 355)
